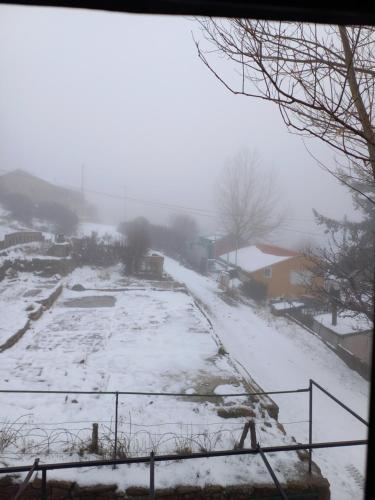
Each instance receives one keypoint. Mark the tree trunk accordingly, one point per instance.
(363, 116)
(334, 314)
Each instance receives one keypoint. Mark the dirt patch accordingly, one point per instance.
(32, 293)
(206, 384)
(236, 412)
(91, 301)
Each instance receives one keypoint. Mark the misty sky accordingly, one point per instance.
(126, 96)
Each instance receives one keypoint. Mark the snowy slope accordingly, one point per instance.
(102, 230)
(135, 338)
(280, 355)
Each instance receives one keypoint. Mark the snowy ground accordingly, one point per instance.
(103, 231)
(138, 337)
(280, 355)
(19, 294)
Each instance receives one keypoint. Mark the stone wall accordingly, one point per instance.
(352, 361)
(45, 303)
(315, 489)
(46, 267)
(19, 238)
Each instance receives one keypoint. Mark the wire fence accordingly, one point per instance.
(141, 445)
(25, 436)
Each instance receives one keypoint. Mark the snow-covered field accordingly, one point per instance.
(101, 230)
(18, 296)
(138, 337)
(280, 355)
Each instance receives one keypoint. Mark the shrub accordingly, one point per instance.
(64, 219)
(19, 205)
(255, 290)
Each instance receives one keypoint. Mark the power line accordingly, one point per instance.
(213, 214)
(203, 211)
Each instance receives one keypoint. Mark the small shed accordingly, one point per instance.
(351, 333)
(282, 307)
(153, 265)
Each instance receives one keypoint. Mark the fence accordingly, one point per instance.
(152, 458)
(19, 238)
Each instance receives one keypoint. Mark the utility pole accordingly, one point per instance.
(83, 191)
(82, 180)
(124, 188)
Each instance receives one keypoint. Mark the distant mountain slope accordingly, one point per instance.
(39, 191)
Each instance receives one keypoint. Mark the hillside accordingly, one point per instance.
(279, 355)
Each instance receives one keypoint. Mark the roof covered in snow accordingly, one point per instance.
(346, 324)
(258, 256)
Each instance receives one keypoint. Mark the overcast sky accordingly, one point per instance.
(127, 97)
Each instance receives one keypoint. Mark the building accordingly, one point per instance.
(280, 272)
(152, 265)
(41, 191)
(352, 333)
(206, 248)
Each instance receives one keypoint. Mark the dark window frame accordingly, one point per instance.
(329, 11)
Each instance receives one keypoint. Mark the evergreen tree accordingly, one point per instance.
(348, 260)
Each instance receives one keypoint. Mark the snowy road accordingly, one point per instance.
(280, 355)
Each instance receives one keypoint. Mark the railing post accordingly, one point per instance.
(26, 481)
(152, 476)
(272, 474)
(310, 422)
(116, 423)
(44, 485)
(253, 434)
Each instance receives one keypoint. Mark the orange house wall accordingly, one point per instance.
(279, 284)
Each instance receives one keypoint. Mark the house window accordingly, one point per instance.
(268, 272)
(300, 278)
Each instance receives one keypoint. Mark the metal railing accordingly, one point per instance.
(25, 482)
(152, 458)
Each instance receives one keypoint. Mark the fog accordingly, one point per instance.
(125, 99)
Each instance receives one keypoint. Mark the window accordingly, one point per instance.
(268, 272)
(301, 278)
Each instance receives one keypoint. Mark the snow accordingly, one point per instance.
(345, 324)
(4, 230)
(251, 259)
(235, 283)
(11, 228)
(160, 341)
(102, 230)
(150, 340)
(281, 355)
(18, 294)
(281, 306)
(227, 389)
(26, 252)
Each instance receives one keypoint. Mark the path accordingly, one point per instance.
(280, 355)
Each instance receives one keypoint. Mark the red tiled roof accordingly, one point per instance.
(275, 250)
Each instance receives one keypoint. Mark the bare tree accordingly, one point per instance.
(185, 230)
(247, 200)
(137, 233)
(322, 79)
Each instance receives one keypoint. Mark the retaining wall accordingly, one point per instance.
(45, 303)
(19, 238)
(315, 489)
